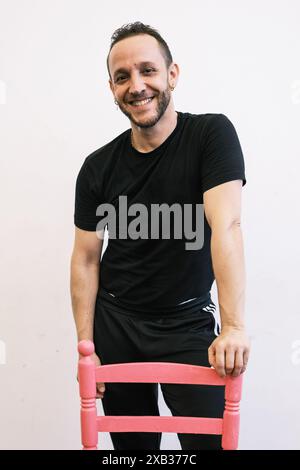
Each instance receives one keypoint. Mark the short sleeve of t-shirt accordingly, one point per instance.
(87, 200)
(222, 157)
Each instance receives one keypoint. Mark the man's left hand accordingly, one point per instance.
(229, 352)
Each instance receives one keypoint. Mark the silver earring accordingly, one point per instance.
(172, 88)
(117, 105)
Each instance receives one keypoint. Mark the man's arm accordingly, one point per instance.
(228, 354)
(84, 280)
(84, 284)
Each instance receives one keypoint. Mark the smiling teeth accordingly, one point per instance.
(140, 103)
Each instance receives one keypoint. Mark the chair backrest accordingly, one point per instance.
(154, 372)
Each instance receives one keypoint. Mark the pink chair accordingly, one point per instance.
(154, 372)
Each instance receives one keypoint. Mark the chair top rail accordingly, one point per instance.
(162, 372)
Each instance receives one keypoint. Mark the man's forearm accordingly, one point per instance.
(84, 288)
(229, 270)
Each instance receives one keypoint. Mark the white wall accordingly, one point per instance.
(236, 58)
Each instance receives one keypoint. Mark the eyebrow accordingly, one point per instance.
(123, 70)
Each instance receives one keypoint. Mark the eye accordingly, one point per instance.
(147, 70)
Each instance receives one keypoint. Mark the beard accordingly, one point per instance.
(162, 102)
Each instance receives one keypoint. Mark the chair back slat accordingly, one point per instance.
(170, 424)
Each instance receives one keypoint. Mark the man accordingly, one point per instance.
(150, 299)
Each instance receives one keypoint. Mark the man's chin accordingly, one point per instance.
(148, 121)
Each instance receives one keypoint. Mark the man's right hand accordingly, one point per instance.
(99, 385)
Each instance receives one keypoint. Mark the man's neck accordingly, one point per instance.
(146, 140)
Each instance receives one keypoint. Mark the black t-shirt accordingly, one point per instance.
(203, 151)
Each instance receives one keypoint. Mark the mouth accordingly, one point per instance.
(141, 104)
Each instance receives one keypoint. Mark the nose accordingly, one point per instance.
(137, 86)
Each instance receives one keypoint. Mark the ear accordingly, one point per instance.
(111, 85)
(174, 73)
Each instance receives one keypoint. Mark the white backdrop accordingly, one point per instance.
(236, 58)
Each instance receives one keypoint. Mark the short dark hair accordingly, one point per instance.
(133, 29)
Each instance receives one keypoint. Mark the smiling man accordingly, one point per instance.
(149, 299)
